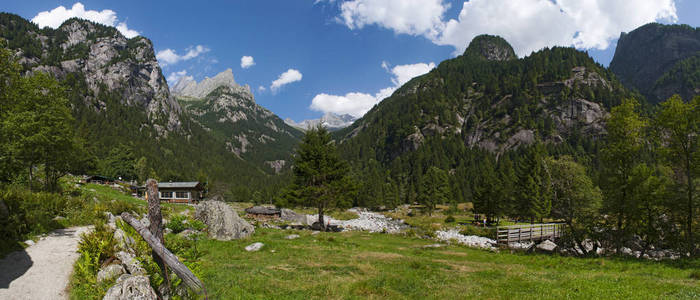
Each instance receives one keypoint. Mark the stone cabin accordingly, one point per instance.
(180, 192)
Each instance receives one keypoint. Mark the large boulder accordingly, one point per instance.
(223, 223)
(132, 288)
(291, 216)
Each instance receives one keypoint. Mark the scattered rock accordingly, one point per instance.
(521, 245)
(131, 287)
(546, 246)
(222, 221)
(59, 218)
(110, 272)
(291, 216)
(123, 241)
(129, 261)
(167, 231)
(29, 242)
(254, 247)
(433, 246)
(292, 236)
(468, 240)
(315, 232)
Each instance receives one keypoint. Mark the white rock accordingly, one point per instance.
(468, 240)
(546, 246)
(110, 272)
(292, 236)
(29, 242)
(254, 247)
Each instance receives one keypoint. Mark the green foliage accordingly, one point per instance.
(435, 189)
(450, 219)
(121, 163)
(320, 175)
(95, 248)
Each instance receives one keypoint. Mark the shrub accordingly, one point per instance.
(177, 224)
(450, 219)
(479, 231)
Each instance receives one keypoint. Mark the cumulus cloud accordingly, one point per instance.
(170, 57)
(55, 17)
(357, 104)
(247, 62)
(175, 76)
(261, 89)
(414, 17)
(528, 25)
(285, 78)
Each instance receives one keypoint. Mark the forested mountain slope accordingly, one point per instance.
(659, 61)
(122, 104)
(228, 111)
(476, 107)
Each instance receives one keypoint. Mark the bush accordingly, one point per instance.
(177, 224)
(479, 231)
(450, 219)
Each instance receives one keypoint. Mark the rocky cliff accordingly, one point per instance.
(109, 65)
(659, 60)
(329, 120)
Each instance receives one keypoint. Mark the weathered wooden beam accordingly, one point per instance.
(188, 278)
(155, 219)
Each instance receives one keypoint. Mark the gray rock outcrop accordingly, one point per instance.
(110, 272)
(223, 223)
(546, 246)
(129, 261)
(130, 287)
(254, 247)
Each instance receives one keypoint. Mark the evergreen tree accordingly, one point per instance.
(320, 174)
(435, 189)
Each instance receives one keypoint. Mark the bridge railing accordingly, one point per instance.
(529, 233)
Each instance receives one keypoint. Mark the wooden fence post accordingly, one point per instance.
(155, 217)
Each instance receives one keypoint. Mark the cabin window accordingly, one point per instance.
(166, 195)
(182, 195)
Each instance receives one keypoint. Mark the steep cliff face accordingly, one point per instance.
(329, 120)
(229, 112)
(107, 62)
(659, 60)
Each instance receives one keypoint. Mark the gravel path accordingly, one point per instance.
(41, 271)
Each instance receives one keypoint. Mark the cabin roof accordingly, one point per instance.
(175, 185)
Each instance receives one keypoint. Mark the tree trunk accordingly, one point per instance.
(30, 177)
(156, 224)
(689, 178)
(188, 278)
(320, 217)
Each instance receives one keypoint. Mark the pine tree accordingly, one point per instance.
(435, 189)
(320, 175)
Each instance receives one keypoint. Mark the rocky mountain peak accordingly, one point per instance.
(648, 53)
(188, 87)
(490, 47)
(330, 120)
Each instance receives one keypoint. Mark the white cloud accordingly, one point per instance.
(169, 57)
(528, 25)
(247, 62)
(357, 104)
(175, 76)
(55, 17)
(261, 89)
(414, 17)
(288, 77)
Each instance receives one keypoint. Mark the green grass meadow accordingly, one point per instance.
(356, 265)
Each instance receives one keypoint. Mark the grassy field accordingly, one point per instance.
(356, 265)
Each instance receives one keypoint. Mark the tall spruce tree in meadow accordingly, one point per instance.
(435, 189)
(321, 177)
(533, 189)
(619, 157)
(679, 127)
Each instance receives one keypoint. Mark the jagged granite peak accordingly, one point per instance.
(105, 60)
(490, 47)
(188, 87)
(648, 53)
(248, 130)
(329, 120)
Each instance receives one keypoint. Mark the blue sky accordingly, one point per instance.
(349, 54)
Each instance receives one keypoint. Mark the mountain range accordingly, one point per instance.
(484, 104)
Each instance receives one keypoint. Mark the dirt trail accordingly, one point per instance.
(41, 271)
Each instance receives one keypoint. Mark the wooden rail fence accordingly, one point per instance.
(529, 233)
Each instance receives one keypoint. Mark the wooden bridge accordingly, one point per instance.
(529, 233)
